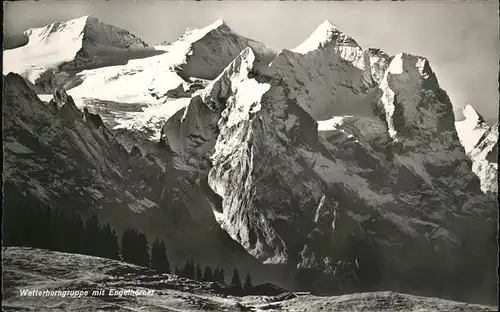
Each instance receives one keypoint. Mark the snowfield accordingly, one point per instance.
(143, 83)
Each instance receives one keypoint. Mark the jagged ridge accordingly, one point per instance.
(212, 48)
(267, 151)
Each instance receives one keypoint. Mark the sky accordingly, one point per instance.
(460, 39)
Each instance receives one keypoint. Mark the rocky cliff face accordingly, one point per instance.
(56, 150)
(69, 159)
(214, 48)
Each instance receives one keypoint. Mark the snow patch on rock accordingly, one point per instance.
(481, 144)
(471, 128)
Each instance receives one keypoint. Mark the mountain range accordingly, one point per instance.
(292, 164)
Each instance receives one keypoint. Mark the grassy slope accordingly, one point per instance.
(42, 269)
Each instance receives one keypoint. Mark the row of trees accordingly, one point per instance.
(196, 273)
(135, 250)
(31, 224)
(192, 271)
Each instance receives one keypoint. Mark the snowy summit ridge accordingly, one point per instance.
(74, 45)
(324, 34)
(218, 22)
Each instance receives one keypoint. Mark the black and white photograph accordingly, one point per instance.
(250, 156)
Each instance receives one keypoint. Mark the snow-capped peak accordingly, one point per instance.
(472, 115)
(326, 32)
(217, 23)
(326, 26)
(419, 62)
(73, 28)
(408, 81)
(195, 34)
(210, 49)
(75, 44)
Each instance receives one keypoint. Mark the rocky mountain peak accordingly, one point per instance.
(85, 27)
(413, 102)
(219, 24)
(64, 105)
(94, 120)
(212, 48)
(136, 152)
(324, 35)
(87, 42)
(74, 27)
(99, 33)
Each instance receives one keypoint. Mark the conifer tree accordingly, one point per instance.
(135, 248)
(208, 275)
(219, 275)
(199, 274)
(142, 250)
(216, 274)
(159, 259)
(10, 221)
(103, 244)
(92, 231)
(222, 277)
(235, 279)
(177, 271)
(28, 222)
(62, 241)
(184, 269)
(62, 232)
(248, 282)
(115, 249)
(109, 243)
(189, 270)
(127, 245)
(76, 236)
(47, 229)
